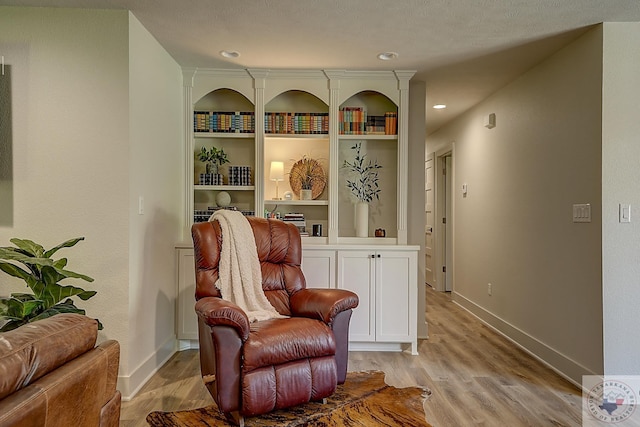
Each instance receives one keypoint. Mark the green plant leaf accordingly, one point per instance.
(15, 271)
(69, 243)
(55, 293)
(42, 277)
(18, 308)
(29, 247)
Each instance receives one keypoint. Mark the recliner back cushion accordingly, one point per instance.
(280, 255)
(279, 252)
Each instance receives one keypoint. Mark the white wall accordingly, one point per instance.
(514, 229)
(71, 145)
(96, 123)
(620, 178)
(155, 153)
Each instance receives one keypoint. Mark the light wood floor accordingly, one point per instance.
(476, 378)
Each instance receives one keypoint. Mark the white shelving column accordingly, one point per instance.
(188, 75)
(259, 81)
(403, 152)
(334, 104)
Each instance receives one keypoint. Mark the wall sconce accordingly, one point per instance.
(490, 121)
(276, 174)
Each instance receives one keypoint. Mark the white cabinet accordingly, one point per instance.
(187, 321)
(386, 283)
(319, 268)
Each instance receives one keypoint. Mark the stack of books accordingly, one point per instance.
(239, 175)
(203, 215)
(352, 121)
(298, 220)
(391, 123)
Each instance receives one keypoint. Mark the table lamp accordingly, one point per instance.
(277, 174)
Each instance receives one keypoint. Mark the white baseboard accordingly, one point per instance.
(560, 363)
(130, 384)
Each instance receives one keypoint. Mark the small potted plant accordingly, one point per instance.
(213, 159)
(364, 186)
(42, 275)
(307, 175)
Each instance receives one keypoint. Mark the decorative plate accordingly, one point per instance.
(311, 169)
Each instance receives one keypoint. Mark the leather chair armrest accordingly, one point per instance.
(322, 304)
(218, 312)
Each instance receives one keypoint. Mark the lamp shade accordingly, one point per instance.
(276, 172)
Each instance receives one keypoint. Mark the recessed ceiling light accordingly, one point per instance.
(387, 56)
(229, 53)
(439, 106)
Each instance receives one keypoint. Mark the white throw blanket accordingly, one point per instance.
(239, 274)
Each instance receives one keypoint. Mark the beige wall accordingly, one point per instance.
(80, 144)
(416, 193)
(155, 174)
(514, 229)
(620, 178)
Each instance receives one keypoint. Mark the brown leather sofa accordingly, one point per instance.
(255, 368)
(52, 374)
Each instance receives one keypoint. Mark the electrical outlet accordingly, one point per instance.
(489, 288)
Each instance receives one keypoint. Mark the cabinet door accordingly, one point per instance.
(355, 273)
(319, 268)
(187, 324)
(396, 292)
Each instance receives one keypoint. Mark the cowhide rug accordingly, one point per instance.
(363, 400)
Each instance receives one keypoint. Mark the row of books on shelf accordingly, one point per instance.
(203, 215)
(352, 121)
(356, 121)
(224, 121)
(298, 220)
(296, 123)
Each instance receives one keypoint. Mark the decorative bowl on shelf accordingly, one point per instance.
(308, 174)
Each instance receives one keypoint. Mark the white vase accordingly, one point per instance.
(362, 219)
(306, 194)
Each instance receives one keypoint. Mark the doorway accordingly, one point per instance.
(443, 227)
(429, 213)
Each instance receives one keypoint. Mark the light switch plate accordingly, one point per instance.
(582, 212)
(624, 212)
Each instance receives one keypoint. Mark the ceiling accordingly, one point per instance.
(463, 49)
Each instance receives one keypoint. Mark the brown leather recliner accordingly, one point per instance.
(255, 368)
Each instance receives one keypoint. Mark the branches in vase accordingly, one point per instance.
(365, 184)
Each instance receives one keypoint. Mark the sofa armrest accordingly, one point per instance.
(33, 350)
(322, 304)
(215, 311)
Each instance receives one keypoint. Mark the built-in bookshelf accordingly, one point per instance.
(225, 119)
(263, 116)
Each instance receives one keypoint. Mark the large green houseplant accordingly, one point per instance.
(42, 275)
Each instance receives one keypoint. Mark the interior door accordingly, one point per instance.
(448, 262)
(429, 220)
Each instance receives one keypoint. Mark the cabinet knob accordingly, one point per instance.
(372, 256)
(378, 255)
